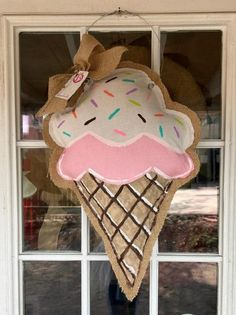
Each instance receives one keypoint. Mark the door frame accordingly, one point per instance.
(10, 243)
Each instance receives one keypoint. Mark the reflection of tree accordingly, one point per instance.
(187, 288)
(189, 233)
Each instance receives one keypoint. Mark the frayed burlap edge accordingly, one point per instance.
(129, 291)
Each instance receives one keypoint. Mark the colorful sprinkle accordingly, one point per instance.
(159, 114)
(134, 102)
(143, 119)
(179, 121)
(110, 79)
(120, 132)
(74, 113)
(176, 131)
(128, 80)
(116, 111)
(67, 134)
(94, 103)
(61, 123)
(131, 91)
(161, 131)
(108, 93)
(89, 121)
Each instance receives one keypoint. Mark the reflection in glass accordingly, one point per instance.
(137, 43)
(52, 288)
(191, 71)
(106, 296)
(192, 221)
(41, 56)
(51, 216)
(96, 243)
(187, 288)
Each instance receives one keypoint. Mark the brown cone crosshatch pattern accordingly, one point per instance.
(127, 212)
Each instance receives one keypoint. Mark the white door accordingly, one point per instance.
(54, 262)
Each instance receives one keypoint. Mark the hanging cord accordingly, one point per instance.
(120, 12)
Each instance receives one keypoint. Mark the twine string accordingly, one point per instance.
(120, 12)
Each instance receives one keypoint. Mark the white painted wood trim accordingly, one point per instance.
(11, 296)
(68, 22)
(228, 277)
(75, 256)
(5, 243)
(94, 6)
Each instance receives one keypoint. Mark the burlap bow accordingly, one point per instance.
(91, 57)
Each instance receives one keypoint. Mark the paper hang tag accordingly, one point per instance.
(72, 85)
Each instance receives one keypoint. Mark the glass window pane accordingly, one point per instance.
(191, 71)
(96, 243)
(192, 221)
(137, 42)
(41, 56)
(106, 296)
(187, 288)
(52, 288)
(51, 216)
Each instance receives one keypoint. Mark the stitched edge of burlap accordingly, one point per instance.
(129, 291)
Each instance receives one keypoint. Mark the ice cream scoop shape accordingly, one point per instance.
(120, 129)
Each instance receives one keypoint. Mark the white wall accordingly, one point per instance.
(101, 6)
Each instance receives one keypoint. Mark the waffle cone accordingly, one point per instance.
(127, 216)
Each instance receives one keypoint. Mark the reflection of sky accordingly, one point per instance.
(202, 200)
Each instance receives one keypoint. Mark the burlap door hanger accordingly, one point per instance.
(123, 147)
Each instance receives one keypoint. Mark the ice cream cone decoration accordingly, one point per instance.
(124, 148)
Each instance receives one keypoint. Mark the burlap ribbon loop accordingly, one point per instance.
(91, 56)
(81, 66)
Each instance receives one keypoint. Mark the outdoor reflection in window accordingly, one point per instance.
(187, 288)
(96, 243)
(192, 221)
(51, 216)
(191, 71)
(52, 288)
(106, 296)
(41, 55)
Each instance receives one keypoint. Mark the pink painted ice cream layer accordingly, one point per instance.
(121, 164)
